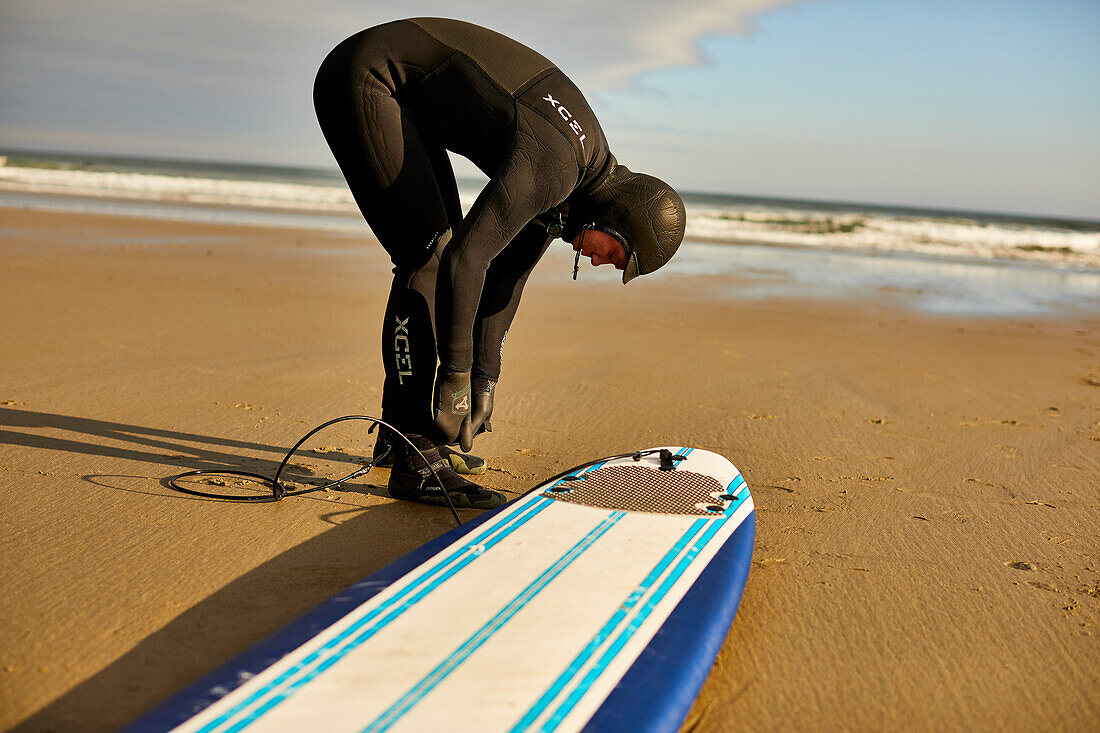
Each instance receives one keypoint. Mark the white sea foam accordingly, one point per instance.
(927, 235)
(729, 222)
(180, 189)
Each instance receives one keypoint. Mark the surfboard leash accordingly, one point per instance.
(668, 463)
(279, 491)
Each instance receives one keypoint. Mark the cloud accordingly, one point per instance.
(610, 44)
(607, 43)
(231, 70)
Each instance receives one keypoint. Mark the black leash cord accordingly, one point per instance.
(279, 491)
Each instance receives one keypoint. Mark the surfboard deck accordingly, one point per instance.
(598, 601)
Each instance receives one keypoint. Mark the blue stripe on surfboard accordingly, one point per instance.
(621, 615)
(381, 724)
(626, 634)
(235, 673)
(407, 596)
(488, 539)
(738, 497)
(430, 681)
(656, 693)
(212, 687)
(609, 628)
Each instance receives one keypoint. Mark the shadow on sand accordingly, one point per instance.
(164, 447)
(263, 600)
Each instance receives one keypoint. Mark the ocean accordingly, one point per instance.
(823, 248)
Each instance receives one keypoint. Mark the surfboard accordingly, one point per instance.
(597, 601)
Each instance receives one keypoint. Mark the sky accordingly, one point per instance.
(969, 104)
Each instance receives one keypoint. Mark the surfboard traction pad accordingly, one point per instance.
(642, 489)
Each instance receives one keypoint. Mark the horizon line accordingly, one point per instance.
(1031, 216)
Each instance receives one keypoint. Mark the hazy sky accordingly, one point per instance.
(990, 104)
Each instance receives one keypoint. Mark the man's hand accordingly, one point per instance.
(452, 408)
(483, 390)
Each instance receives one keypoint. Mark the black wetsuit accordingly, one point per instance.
(391, 101)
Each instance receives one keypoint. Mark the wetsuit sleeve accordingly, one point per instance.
(535, 178)
(504, 283)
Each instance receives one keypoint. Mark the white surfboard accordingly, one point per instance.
(597, 601)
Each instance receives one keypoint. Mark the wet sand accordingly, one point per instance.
(927, 488)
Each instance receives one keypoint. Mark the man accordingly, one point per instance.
(391, 101)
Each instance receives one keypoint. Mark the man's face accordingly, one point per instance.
(601, 247)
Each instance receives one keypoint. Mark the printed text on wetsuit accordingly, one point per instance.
(401, 349)
(566, 115)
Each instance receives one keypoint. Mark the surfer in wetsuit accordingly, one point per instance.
(391, 101)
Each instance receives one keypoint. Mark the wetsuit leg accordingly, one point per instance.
(406, 191)
(408, 330)
(504, 283)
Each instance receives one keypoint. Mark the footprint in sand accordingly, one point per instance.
(1022, 565)
(990, 484)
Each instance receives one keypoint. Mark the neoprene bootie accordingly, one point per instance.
(411, 479)
(466, 463)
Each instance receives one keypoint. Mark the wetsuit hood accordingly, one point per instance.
(641, 210)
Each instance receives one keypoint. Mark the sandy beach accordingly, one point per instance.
(927, 488)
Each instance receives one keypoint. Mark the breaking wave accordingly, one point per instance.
(711, 218)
